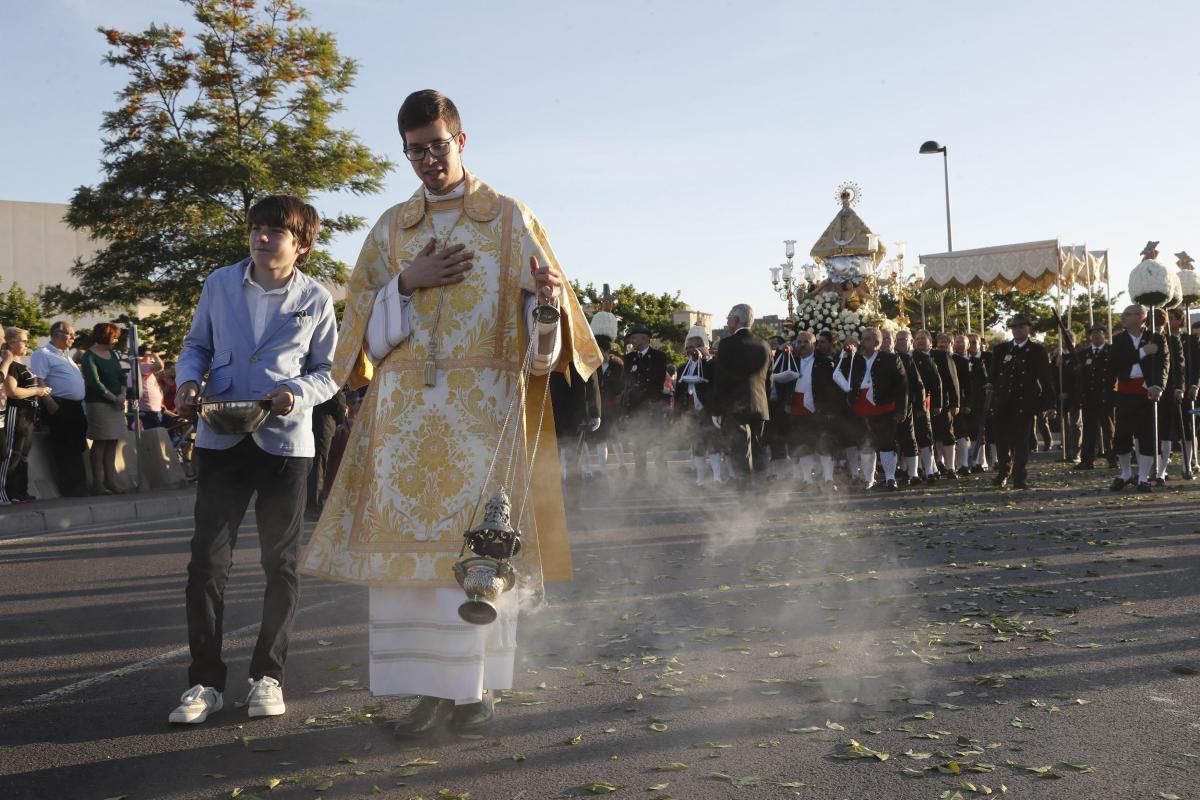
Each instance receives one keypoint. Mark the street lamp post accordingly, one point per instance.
(929, 148)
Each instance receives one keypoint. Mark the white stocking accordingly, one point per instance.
(807, 463)
(827, 468)
(1145, 468)
(714, 463)
(887, 458)
(866, 462)
(910, 464)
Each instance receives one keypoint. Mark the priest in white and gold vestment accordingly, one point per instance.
(437, 321)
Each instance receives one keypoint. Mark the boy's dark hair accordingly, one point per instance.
(290, 213)
(425, 108)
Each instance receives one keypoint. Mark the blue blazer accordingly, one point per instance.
(296, 351)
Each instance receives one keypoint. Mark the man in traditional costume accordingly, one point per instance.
(825, 400)
(1140, 367)
(942, 412)
(979, 399)
(611, 376)
(909, 444)
(877, 389)
(964, 419)
(779, 400)
(644, 405)
(438, 314)
(693, 392)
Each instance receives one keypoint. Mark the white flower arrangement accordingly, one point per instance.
(1189, 285)
(1150, 283)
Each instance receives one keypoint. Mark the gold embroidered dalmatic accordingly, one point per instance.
(418, 455)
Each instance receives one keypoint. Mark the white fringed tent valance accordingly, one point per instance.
(1030, 266)
(1024, 267)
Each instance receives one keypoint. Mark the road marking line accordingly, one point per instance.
(121, 672)
(92, 528)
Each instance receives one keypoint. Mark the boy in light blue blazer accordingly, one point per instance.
(265, 331)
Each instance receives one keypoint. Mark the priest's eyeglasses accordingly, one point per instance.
(436, 149)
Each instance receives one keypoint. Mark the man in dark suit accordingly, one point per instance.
(1094, 378)
(877, 390)
(1022, 389)
(644, 403)
(740, 399)
(1140, 368)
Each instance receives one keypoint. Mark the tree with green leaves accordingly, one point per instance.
(20, 309)
(202, 131)
(652, 310)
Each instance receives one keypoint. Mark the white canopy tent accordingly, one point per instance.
(1025, 267)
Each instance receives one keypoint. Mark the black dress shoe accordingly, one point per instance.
(1082, 465)
(428, 718)
(931, 479)
(1188, 475)
(891, 486)
(472, 716)
(1144, 488)
(1160, 481)
(964, 471)
(1118, 484)
(975, 470)
(1000, 480)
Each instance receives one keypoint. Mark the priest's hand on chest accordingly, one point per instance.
(433, 267)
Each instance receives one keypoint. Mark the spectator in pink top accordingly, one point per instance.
(150, 405)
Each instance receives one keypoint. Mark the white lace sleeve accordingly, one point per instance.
(390, 322)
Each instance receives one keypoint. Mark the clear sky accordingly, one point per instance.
(675, 145)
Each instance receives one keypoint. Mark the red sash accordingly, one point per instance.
(865, 408)
(928, 403)
(798, 408)
(1131, 386)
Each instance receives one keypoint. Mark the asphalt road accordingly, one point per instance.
(1043, 644)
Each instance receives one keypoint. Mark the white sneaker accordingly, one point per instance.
(265, 698)
(196, 704)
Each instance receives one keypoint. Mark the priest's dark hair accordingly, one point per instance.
(426, 107)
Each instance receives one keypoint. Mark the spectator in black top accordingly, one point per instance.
(21, 387)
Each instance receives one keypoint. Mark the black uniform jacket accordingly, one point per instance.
(1125, 355)
(1021, 382)
(888, 380)
(931, 378)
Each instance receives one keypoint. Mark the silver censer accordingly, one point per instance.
(486, 573)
